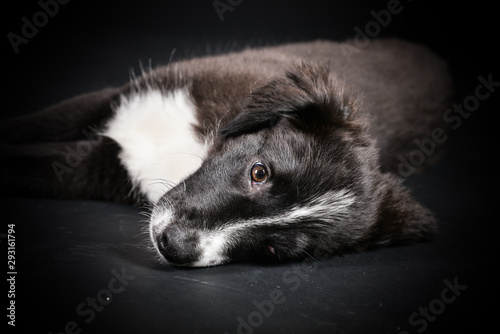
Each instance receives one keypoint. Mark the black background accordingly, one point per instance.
(95, 43)
(66, 249)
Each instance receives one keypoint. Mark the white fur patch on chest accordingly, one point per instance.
(159, 145)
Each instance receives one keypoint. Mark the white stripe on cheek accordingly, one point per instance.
(329, 207)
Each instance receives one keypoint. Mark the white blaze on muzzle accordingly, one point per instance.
(212, 245)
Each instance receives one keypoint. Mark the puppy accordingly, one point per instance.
(279, 152)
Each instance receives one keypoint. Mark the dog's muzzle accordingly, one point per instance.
(177, 245)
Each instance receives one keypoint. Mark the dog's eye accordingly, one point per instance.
(259, 172)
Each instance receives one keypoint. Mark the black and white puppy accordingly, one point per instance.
(284, 152)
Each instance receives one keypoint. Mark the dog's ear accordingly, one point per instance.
(310, 95)
(400, 217)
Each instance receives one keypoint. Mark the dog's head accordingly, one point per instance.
(293, 174)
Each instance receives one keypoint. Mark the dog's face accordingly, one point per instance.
(294, 174)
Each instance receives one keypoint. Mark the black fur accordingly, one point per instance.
(321, 126)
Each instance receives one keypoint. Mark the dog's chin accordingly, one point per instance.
(204, 261)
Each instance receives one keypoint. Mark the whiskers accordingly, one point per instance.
(308, 257)
(165, 184)
(145, 234)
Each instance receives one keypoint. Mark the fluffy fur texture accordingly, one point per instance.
(279, 152)
(164, 121)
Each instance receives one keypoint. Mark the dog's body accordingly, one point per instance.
(281, 151)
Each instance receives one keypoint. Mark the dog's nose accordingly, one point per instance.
(177, 245)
